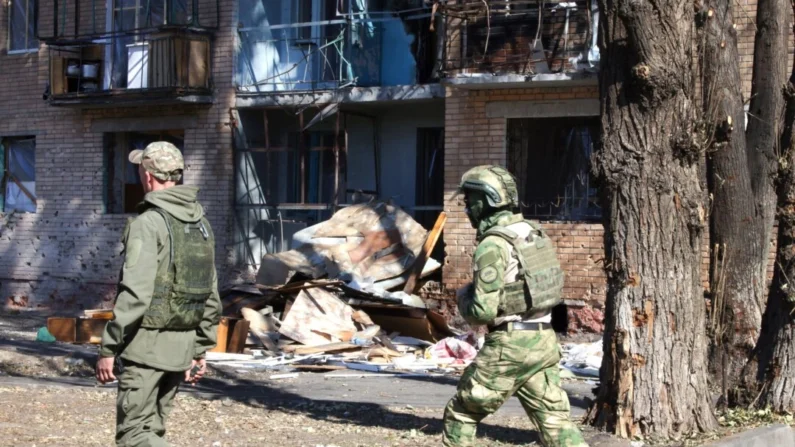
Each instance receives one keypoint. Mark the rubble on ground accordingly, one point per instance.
(343, 298)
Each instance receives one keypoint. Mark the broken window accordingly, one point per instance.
(286, 177)
(19, 174)
(123, 190)
(551, 159)
(429, 195)
(22, 25)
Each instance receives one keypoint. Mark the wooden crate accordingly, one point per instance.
(89, 330)
(232, 333)
(64, 329)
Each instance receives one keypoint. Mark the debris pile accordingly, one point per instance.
(344, 298)
(582, 359)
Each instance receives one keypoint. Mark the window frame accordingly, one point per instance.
(6, 174)
(513, 150)
(120, 140)
(31, 8)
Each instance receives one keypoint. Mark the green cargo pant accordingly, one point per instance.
(524, 363)
(142, 405)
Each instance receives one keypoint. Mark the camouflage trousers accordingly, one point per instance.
(524, 363)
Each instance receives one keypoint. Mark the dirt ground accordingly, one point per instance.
(48, 416)
(48, 397)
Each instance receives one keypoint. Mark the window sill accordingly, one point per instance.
(20, 52)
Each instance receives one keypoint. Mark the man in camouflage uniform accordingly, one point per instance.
(167, 308)
(517, 280)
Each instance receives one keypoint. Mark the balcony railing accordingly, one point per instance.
(381, 49)
(69, 21)
(168, 66)
(520, 36)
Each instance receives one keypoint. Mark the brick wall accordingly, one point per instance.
(67, 254)
(472, 139)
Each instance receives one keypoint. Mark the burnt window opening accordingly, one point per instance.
(18, 158)
(123, 190)
(430, 180)
(551, 159)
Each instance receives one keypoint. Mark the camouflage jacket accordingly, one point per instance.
(482, 304)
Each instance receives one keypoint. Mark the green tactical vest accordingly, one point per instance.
(539, 266)
(182, 289)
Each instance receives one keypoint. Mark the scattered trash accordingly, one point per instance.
(44, 336)
(283, 376)
(459, 351)
(583, 359)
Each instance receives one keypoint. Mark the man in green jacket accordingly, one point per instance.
(517, 280)
(167, 308)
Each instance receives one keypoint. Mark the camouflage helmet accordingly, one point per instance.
(495, 182)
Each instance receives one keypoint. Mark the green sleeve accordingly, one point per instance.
(490, 261)
(135, 288)
(207, 332)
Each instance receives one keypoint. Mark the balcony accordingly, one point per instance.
(310, 45)
(525, 37)
(129, 52)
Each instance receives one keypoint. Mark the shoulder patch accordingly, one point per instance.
(488, 275)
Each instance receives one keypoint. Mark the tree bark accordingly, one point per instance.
(653, 376)
(741, 169)
(775, 352)
(738, 236)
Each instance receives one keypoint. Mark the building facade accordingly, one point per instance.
(285, 111)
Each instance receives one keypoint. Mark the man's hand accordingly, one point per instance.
(105, 369)
(196, 371)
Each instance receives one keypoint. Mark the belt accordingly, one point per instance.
(519, 326)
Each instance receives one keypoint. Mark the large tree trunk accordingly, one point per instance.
(653, 376)
(775, 351)
(738, 222)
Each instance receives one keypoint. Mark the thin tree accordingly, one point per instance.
(653, 376)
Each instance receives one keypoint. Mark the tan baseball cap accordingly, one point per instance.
(161, 159)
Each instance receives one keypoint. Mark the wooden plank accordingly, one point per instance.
(318, 367)
(223, 335)
(63, 329)
(102, 314)
(89, 330)
(237, 342)
(425, 253)
(199, 69)
(259, 327)
(331, 347)
(57, 75)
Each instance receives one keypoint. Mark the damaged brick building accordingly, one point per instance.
(287, 110)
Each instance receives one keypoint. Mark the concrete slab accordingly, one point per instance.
(778, 435)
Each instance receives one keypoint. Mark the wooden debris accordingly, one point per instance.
(63, 329)
(226, 331)
(102, 314)
(314, 315)
(331, 347)
(89, 330)
(237, 342)
(321, 367)
(425, 253)
(259, 327)
(361, 317)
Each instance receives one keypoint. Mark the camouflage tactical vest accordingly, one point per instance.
(182, 289)
(542, 283)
